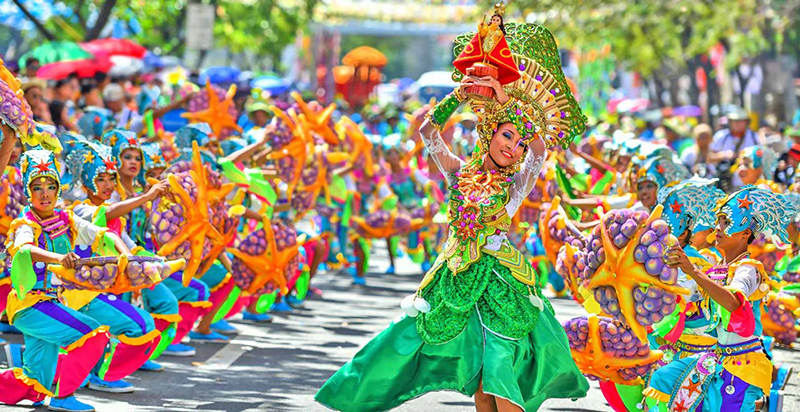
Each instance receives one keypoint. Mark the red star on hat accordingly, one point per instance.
(676, 207)
(43, 167)
(132, 141)
(110, 165)
(744, 203)
(660, 169)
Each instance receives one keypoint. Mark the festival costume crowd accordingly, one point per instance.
(123, 240)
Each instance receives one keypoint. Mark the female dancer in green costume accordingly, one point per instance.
(478, 323)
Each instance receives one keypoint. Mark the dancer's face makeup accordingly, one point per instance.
(506, 146)
(44, 194)
(131, 163)
(105, 183)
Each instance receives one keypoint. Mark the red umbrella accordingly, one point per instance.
(83, 68)
(115, 47)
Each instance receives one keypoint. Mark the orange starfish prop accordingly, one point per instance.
(551, 245)
(621, 272)
(570, 273)
(593, 361)
(346, 127)
(320, 185)
(297, 149)
(216, 114)
(213, 196)
(197, 225)
(270, 265)
(318, 121)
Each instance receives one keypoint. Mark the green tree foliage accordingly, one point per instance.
(646, 34)
(263, 27)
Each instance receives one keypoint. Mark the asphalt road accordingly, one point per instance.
(279, 366)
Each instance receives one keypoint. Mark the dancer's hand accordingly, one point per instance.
(69, 260)
(676, 257)
(267, 134)
(486, 81)
(158, 189)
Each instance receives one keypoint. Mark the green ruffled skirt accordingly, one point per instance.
(469, 337)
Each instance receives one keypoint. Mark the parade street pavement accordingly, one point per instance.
(279, 366)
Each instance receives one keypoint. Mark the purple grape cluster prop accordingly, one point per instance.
(253, 244)
(791, 277)
(626, 271)
(780, 318)
(169, 214)
(425, 212)
(102, 273)
(14, 196)
(282, 135)
(605, 350)
(14, 109)
(556, 229)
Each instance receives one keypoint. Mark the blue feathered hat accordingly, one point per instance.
(88, 160)
(661, 170)
(760, 210)
(95, 121)
(38, 162)
(153, 158)
(690, 204)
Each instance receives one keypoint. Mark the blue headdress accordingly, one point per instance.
(153, 158)
(661, 170)
(69, 141)
(38, 162)
(120, 140)
(759, 210)
(195, 132)
(761, 157)
(95, 121)
(147, 97)
(232, 145)
(690, 204)
(87, 161)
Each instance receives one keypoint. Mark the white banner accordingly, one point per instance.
(200, 26)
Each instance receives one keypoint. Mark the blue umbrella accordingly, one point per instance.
(272, 84)
(153, 61)
(219, 75)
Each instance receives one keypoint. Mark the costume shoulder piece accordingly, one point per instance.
(542, 91)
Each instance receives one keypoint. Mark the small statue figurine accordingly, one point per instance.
(491, 33)
(488, 54)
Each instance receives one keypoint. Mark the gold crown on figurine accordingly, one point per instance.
(500, 9)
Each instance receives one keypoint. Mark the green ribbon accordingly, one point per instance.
(347, 213)
(302, 285)
(23, 278)
(603, 185)
(227, 305)
(265, 302)
(151, 127)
